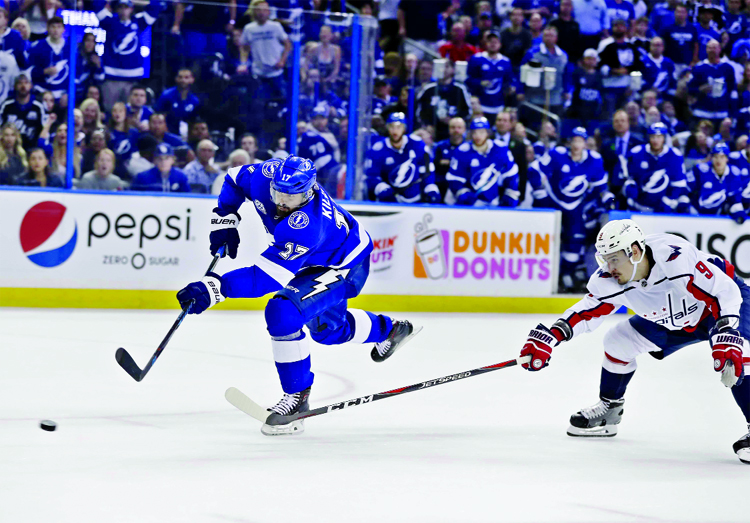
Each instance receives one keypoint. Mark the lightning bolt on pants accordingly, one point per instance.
(317, 298)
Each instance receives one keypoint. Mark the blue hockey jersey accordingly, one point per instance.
(43, 55)
(405, 175)
(12, 42)
(320, 233)
(314, 146)
(123, 144)
(498, 72)
(655, 183)
(705, 36)
(122, 52)
(152, 180)
(721, 100)
(659, 74)
(679, 43)
(483, 180)
(715, 194)
(557, 182)
(176, 109)
(443, 153)
(379, 103)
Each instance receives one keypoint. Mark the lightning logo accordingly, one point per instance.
(326, 279)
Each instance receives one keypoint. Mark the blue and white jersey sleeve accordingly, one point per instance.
(458, 171)
(236, 187)
(509, 193)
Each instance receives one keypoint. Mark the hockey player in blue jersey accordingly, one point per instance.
(738, 159)
(717, 186)
(482, 173)
(444, 152)
(653, 175)
(574, 182)
(314, 145)
(319, 258)
(400, 168)
(49, 60)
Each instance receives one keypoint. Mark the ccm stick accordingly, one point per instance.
(249, 407)
(126, 360)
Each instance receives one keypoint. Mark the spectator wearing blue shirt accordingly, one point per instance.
(681, 43)
(179, 103)
(138, 112)
(490, 76)
(164, 177)
(706, 31)
(662, 15)
(594, 21)
(713, 87)
(157, 126)
(658, 70)
(622, 10)
(735, 22)
(204, 26)
(546, 8)
(49, 60)
(11, 40)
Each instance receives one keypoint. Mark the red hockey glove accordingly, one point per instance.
(727, 346)
(539, 346)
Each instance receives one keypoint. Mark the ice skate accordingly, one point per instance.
(741, 447)
(400, 334)
(289, 404)
(599, 420)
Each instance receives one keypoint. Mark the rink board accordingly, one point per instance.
(129, 250)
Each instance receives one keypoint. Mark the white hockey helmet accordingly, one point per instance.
(619, 235)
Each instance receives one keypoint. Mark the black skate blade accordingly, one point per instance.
(126, 362)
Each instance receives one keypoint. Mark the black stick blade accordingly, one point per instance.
(126, 362)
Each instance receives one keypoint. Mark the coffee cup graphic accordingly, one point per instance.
(429, 245)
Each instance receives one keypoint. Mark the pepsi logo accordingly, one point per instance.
(48, 234)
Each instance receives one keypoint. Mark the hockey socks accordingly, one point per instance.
(292, 356)
(612, 386)
(368, 327)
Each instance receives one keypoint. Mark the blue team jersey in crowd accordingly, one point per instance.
(714, 194)
(719, 104)
(152, 180)
(146, 112)
(497, 71)
(315, 147)
(736, 25)
(560, 183)
(621, 11)
(43, 55)
(679, 43)
(705, 36)
(12, 42)
(378, 103)
(401, 175)
(320, 233)
(483, 179)
(443, 153)
(659, 74)
(739, 160)
(123, 144)
(176, 109)
(122, 51)
(655, 183)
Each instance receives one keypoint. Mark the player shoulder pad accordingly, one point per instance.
(561, 150)
(464, 147)
(378, 146)
(637, 149)
(703, 167)
(676, 152)
(595, 155)
(415, 137)
(734, 169)
(235, 171)
(735, 155)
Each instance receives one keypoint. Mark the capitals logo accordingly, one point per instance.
(48, 234)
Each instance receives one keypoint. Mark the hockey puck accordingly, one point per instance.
(48, 425)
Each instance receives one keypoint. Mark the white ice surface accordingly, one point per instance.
(490, 448)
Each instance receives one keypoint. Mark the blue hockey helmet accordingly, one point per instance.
(720, 148)
(292, 183)
(579, 131)
(658, 128)
(396, 118)
(479, 123)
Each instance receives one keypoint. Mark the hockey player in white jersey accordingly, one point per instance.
(680, 296)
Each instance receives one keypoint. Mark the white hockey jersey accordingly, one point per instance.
(682, 289)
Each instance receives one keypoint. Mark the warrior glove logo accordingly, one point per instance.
(48, 234)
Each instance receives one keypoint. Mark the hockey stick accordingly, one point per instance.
(249, 407)
(126, 360)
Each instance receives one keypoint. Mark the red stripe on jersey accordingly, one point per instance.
(711, 302)
(729, 269)
(600, 310)
(615, 360)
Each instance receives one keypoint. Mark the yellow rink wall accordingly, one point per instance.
(146, 299)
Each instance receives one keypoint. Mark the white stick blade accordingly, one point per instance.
(246, 405)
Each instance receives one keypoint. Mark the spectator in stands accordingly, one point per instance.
(92, 116)
(457, 49)
(94, 93)
(735, 23)
(617, 59)
(89, 70)
(95, 144)
(11, 42)
(622, 10)
(642, 36)
(164, 177)
(38, 174)
(725, 133)
(658, 70)
(123, 60)
(269, 45)
(197, 131)
(320, 146)
(490, 76)
(202, 172)
(547, 139)
(620, 143)
(204, 26)
(400, 105)
(713, 88)
(586, 105)
(593, 20)
(24, 29)
(238, 158)
(438, 102)
(325, 56)
(670, 114)
(143, 158)
(102, 177)
(49, 58)
(157, 127)
(381, 95)
(484, 24)
(681, 41)
(698, 146)
(706, 31)
(249, 144)
(663, 15)
(13, 162)
(568, 31)
(444, 152)
(549, 55)
(544, 8)
(424, 22)
(138, 111)
(536, 26)
(179, 103)
(49, 102)
(503, 126)
(123, 137)
(24, 112)
(717, 186)
(516, 39)
(424, 73)
(56, 149)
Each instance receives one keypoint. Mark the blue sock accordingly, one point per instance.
(381, 327)
(295, 376)
(612, 386)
